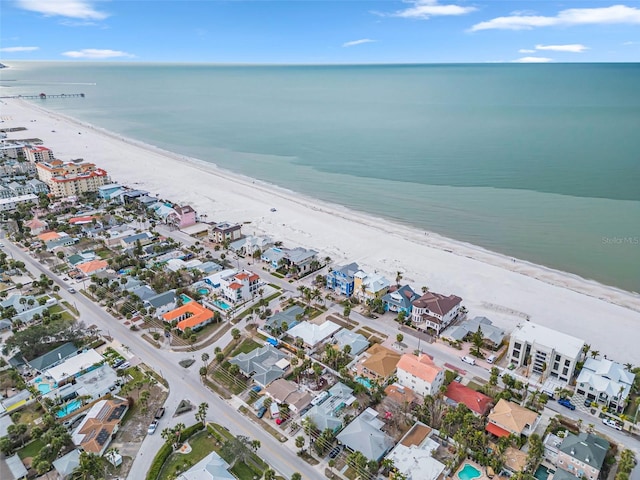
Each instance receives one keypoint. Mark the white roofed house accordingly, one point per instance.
(605, 382)
(368, 286)
(251, 244)
(313, 334)
(241, 287)
(298, 259)
(434, 311)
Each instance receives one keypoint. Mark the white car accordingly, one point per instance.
(152, 428)
(611, 423)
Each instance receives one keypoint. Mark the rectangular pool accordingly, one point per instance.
(69, 408)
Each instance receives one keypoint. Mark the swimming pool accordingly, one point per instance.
(468, 472)
(44, 388)
(542, 473)
(184, 298)
(69, 408)
(364, 381)
(204, 291)
(221, 304)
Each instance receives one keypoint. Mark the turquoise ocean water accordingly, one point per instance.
(539, 162)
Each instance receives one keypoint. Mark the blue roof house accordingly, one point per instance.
(341, 280)
(400, 300)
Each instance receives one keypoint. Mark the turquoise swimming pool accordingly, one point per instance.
(44, 388)
(69, 408)
(204, 291)
(542, 473)
(364, 381)
(184, 298)
(469, 472)
(221, 304)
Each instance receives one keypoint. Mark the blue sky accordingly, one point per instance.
(308, 31)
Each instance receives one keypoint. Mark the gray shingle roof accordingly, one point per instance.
(586, 447)
(57, 354)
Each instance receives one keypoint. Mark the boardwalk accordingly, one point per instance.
(44, 96)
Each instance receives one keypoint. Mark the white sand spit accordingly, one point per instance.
(504, 289)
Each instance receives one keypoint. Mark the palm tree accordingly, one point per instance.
(205, 358)
(89, 467)
(595, 354)
(398, 278)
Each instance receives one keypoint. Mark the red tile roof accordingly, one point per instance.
(420, 367)
(496, 430)
(437, 303)
(476, 402)
(92, 266)
(199, 315)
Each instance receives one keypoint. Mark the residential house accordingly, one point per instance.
(144, 238)
(5, 423)
(435, 311)
(357, 342)
(66, 464)
(225, 232)
(300, 259)
(20, 303)
(420, 374)
(401, 396)
(82, 220)
(92, 267)
(508, 418)
(400, 299)
(261, 364)
(582, 455)
(190, 315)
(36, 226)
(73, 366)
(312, 334)
(115, 234)
(54, 240)
(377, 363)
(53, 358)
(96, 383)
(551, 444)
(249, 245)
(82, 257)
(477, 402)
(182, 217)
(413, 455)
(162, 302)
(605, 382)
(110, 191)
(241, 287)
(546, 352)
(285, 392)
(11, 203)
(368, 286)
(364, 434)
(492, 336)
(276, 323)
(211, 467)
(15, 467)
(99, 426)
(326, 414)
(341, 279)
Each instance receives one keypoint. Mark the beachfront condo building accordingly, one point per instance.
(38, 154)
(545, 352)
(225, 232)
(71, 178)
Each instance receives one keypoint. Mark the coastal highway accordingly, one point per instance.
(184, 384)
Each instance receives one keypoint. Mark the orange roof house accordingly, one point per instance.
(190, 315)
(420, 374)
(82, 220)
(93, 266)
(510, 418)
(378, 362)
(47, 236)
(95, 432)
(477, 402)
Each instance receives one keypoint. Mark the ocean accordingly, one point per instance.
(538, 162)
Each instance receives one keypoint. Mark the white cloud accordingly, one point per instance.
(95, 53)
(630, 43)
(533, 60)
(18, 49)
(353, 43)
(82, 9)
(614, 14)
(525, 50)
(573, 48)
(425, 9)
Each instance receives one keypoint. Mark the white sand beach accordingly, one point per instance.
(503, 289)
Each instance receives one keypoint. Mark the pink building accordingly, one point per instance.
(183, 216)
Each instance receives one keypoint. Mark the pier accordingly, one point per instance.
(44, 96)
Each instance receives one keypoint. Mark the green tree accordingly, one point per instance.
(300, 441)
(296, 476)
(235, 333)
(399, 338)
(90, 467)
(201, 414)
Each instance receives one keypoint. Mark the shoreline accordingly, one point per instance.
(501, 287)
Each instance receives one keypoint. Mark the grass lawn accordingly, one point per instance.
(243, 471)
(234, 385)
(104, 253)
(56, 309)
(201, 446)
(246, 346)
(31, 449)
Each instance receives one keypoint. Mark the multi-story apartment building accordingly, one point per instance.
(547, 352)
(72, 178)
(582, 455)
(420, 374)
(225, 231)
(240, 287)
(38, 154)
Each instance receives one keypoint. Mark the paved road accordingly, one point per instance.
(184, 384)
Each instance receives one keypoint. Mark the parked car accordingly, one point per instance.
(335, 451)
(491, 358)
(469, 360)
(152, 428)
(71, 290)
(256, 388)
(587, 403)
(124, 366)
(565, 402)
(612, 423)
(262, 411)
(159, 413)
(118, 363)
